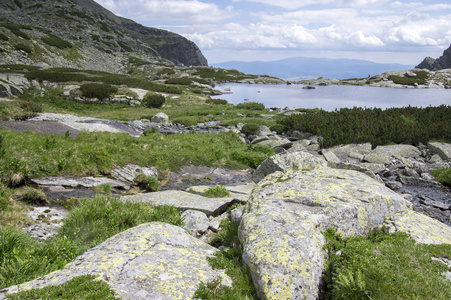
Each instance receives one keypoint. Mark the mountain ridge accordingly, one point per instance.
(297, 68)
(432, 64)
(94, 38)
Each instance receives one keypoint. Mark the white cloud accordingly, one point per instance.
(292, 4)
(191, 11)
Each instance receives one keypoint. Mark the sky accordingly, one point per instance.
(382, 31)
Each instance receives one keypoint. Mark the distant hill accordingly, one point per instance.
(298, 68)
(82, 34)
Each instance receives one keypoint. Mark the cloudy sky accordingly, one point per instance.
(249, 30)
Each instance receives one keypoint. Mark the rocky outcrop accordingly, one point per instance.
(283, 220)
(443, 62)
(13, 85)
(151, 261)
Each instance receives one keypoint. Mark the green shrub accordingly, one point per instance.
(23, 47)
(79, 287)
(251, 159)
(181, 81)
(56, 41)
(166, 71)
(148, 183)
(152, 100)
(97, 90)
(249, 129)
(216, 192)
(137, 61)
(278, 128)
(124, 46)
(443, 176)
(3, 37)
(217, 101)
(251, 106)
(420, 78)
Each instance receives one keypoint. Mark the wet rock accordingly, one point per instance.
(48, 221)
(150, 261)
(87, 182)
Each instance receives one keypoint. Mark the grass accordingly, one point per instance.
(92, 222)
(93, 153)
(80, 287)
(384, 266)
(216, 192)
(443, 176)
(148, 183)
(230, 260)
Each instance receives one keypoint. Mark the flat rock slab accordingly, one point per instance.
(87, 182)
(184, 201)
(151, 261)
(39, 127)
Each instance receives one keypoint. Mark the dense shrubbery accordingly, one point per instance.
(278, 128)
(420, 78)
(410, 125)
(153, 100)
(97, 90)
(251, 106)
(137, 61)
(217, 101)
(249, 129)
(181, 81)
(221, 74)
(23, 47)
(3, 37)
(56, 41)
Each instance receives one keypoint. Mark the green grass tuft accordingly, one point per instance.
(216, 192)
(443, 176)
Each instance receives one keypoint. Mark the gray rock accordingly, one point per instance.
(442, 149)
(215, 223)
(237, 214)
(196, 222)
(130, 171)
(273, 141)
(151, 261)
(290, 162)
(160, 118)
(330, 156)
(263, 131)
(87, 182)
(394, 185)
(384, 154)
(184, 201)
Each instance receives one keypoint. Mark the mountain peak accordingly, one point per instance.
(443, 62)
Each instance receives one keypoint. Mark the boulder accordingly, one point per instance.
(184, 201)
(442, 149)
(196, 222)
(282, 223)
(130, 171)
(160, 118)
(385, 154)
(272, 141)
(151, 261)
(87, 182)
(287, 162)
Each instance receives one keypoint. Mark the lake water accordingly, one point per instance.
(333, 96)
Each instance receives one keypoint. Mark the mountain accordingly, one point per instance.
(297, 68)
(83, 34)
(432, 64)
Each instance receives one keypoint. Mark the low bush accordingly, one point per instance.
(148, 183)
(420, 78)
(443, 176)
(216, 192)
(251, 106)
(97, 90)
(249, 129)
(180, 81)
(384, 266)
(137, 61)
(3, 37)
(217, 101)
(278, 128)
(152, 100)
(23, 47)
(56, 41)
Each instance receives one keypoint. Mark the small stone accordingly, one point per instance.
(394, 185)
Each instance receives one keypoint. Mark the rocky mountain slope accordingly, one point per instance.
(443, 62)
(83, 34)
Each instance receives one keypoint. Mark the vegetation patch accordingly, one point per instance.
(216, 192)
(181, 81)
(148, 183)
(79, 287)
(443, 176)
(137, 61)
(249, 129)
(152, 100)
(3, 37)
(221, 74)
(420, 78)
(384, 266)
(407, 125)
(97, 90)
(56, 41)
(251, 106)
(217, 101)
(92, 222)
(23, 47)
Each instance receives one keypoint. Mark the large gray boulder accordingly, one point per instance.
(385, 154)
(151, 261)
(442, 149)
(284, 217)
